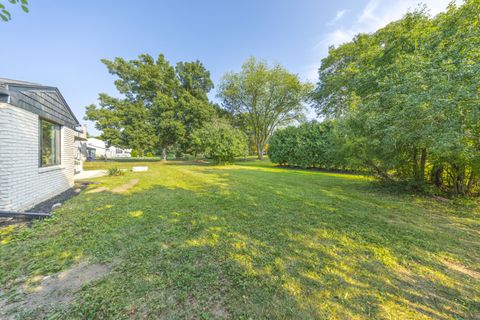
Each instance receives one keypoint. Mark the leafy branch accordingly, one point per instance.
(5, 14)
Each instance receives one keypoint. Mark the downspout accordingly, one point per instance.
(29, 215)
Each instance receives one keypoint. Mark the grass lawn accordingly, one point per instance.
(188, 240)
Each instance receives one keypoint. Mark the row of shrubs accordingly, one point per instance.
(138, 154)
(310, 145)
(217, 140)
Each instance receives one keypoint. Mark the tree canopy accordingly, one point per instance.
(408, 97)
(162, 104)
(267, 96)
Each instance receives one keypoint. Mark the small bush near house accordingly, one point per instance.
(149, 154)
(115, 172)
(219, 141)
(134, 153)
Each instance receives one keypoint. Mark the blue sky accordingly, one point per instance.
(60, 43)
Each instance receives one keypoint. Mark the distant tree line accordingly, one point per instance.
(165, 109)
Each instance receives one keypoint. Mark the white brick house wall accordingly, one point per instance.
(22, 182)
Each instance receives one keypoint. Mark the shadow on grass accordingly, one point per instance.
(236, 243)
(126, 160)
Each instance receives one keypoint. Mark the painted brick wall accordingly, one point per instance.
(22, 183)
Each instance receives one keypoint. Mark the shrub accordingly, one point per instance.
(115, 172)
(149, 154)
(282, 145)
(219, 141)
(134, 153)
(309, 145)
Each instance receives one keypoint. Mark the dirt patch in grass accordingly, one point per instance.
(126, 186)
(462, 269)
(57, 290)
(219, 312)
(98, 189)
(15, 222)
(120, 189)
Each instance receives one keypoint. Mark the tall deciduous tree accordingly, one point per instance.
(192, 102)
(269, 97)
(123, 123)
(169, 103)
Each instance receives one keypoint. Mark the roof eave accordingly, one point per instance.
(6, 92)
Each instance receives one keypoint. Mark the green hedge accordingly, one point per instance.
(310, 145)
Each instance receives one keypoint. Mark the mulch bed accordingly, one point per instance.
(46, 206)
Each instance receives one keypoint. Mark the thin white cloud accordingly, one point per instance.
(310, 73)
(369, 10)
(339, 15)
(375, 15)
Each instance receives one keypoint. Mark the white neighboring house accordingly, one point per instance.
(98, 149)
(38, 131)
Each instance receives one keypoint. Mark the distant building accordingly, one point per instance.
(99, 149)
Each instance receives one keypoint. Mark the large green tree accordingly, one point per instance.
(169, 103)
(407, 97)
(267, 96)
(193, 105)
(124, 124)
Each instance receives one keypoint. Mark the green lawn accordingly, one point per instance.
(251, 241)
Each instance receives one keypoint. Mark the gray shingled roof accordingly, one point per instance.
(46, 101)
(18, 82)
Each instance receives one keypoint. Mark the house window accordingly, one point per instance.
(49, 143)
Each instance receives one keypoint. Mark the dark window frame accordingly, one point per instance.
(58, 142)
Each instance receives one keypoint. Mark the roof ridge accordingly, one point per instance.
(20, 82)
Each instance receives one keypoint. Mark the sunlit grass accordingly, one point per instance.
(250, 240)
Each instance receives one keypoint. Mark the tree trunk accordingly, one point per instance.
(423, 161)
(164, 153)
(459, 179)
(379, 172)
(437, 173)
(415, 168)
(260, 149)
(471, 181)
(419, 168)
